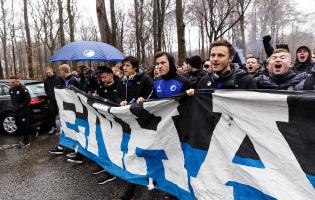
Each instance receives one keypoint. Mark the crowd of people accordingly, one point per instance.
(127, 82)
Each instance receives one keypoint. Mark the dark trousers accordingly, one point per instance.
(53, 112)
(23, 119)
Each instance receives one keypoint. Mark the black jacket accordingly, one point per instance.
(138, 86)
(194, 77)
(280, 82)
(50, 83)
(237, 78)
(72, 80)
(89, 84)
(110, 92)
(20, 98)
(308, 83)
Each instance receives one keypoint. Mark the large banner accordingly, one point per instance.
(223, 145)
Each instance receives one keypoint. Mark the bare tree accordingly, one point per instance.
(71, 15)
(180, 32)
(4, 36)
(61, 22)
(29, 42)
(103, 21)
(114, 23)
(159, 9)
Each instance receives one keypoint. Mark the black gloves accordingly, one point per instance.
(267, 38)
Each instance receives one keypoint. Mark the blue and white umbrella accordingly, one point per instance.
(88, 51)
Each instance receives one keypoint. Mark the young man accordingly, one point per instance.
(303, 61)
(195, 72)
(134, 84)
(50, 82)
(109, 85)
(69, 79)
(226, 75)
(282, 76)
(253, 66)
(207, 67)
(20, 98)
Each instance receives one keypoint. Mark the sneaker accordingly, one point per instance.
(106, 179)
(52, 131)
(98, 171)
(71, 155)
(57, 151)
(76, 160)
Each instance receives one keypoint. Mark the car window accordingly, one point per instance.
(4, 90)
(36, 89)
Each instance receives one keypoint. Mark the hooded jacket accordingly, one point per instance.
(285, 81)
(171, 83)
(300, 67)
(236, 78)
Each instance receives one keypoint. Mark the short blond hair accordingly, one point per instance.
(65, 68)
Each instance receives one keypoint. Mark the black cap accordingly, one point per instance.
(195, 62)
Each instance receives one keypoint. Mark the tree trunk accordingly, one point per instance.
(103, 22)
(155, 24)
(137, 28)
(161, 16)
(114, 23)
(4, 38)
(29, 43)
(71, 20)
(1, 70)
(180, 32)
(61, 29)
(202, 40)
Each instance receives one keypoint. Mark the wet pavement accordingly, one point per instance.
(32, 173)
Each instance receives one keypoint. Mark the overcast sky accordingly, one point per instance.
(87, 8)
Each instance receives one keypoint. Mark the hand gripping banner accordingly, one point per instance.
(238, 145)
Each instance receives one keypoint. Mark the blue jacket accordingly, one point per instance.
(169, 87)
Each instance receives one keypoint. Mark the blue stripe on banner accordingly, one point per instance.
(193, 159)
(124, 146)
(155, 168)
(246, 192)
(311, 179)
(248, 162)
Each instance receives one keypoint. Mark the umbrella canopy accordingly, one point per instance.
(88, 51)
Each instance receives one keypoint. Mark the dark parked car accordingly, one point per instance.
(38, 106)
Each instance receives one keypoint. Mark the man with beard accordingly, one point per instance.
(226, 75)
(282, 76)
(303, 61)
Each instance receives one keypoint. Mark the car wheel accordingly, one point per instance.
(8, 124)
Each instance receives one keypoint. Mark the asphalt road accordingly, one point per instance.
(32, 173)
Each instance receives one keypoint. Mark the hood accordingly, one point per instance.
(172, 72)
(309, 58)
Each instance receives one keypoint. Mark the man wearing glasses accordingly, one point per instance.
(282, 76)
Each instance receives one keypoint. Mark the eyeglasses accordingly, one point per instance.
(206, 66)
